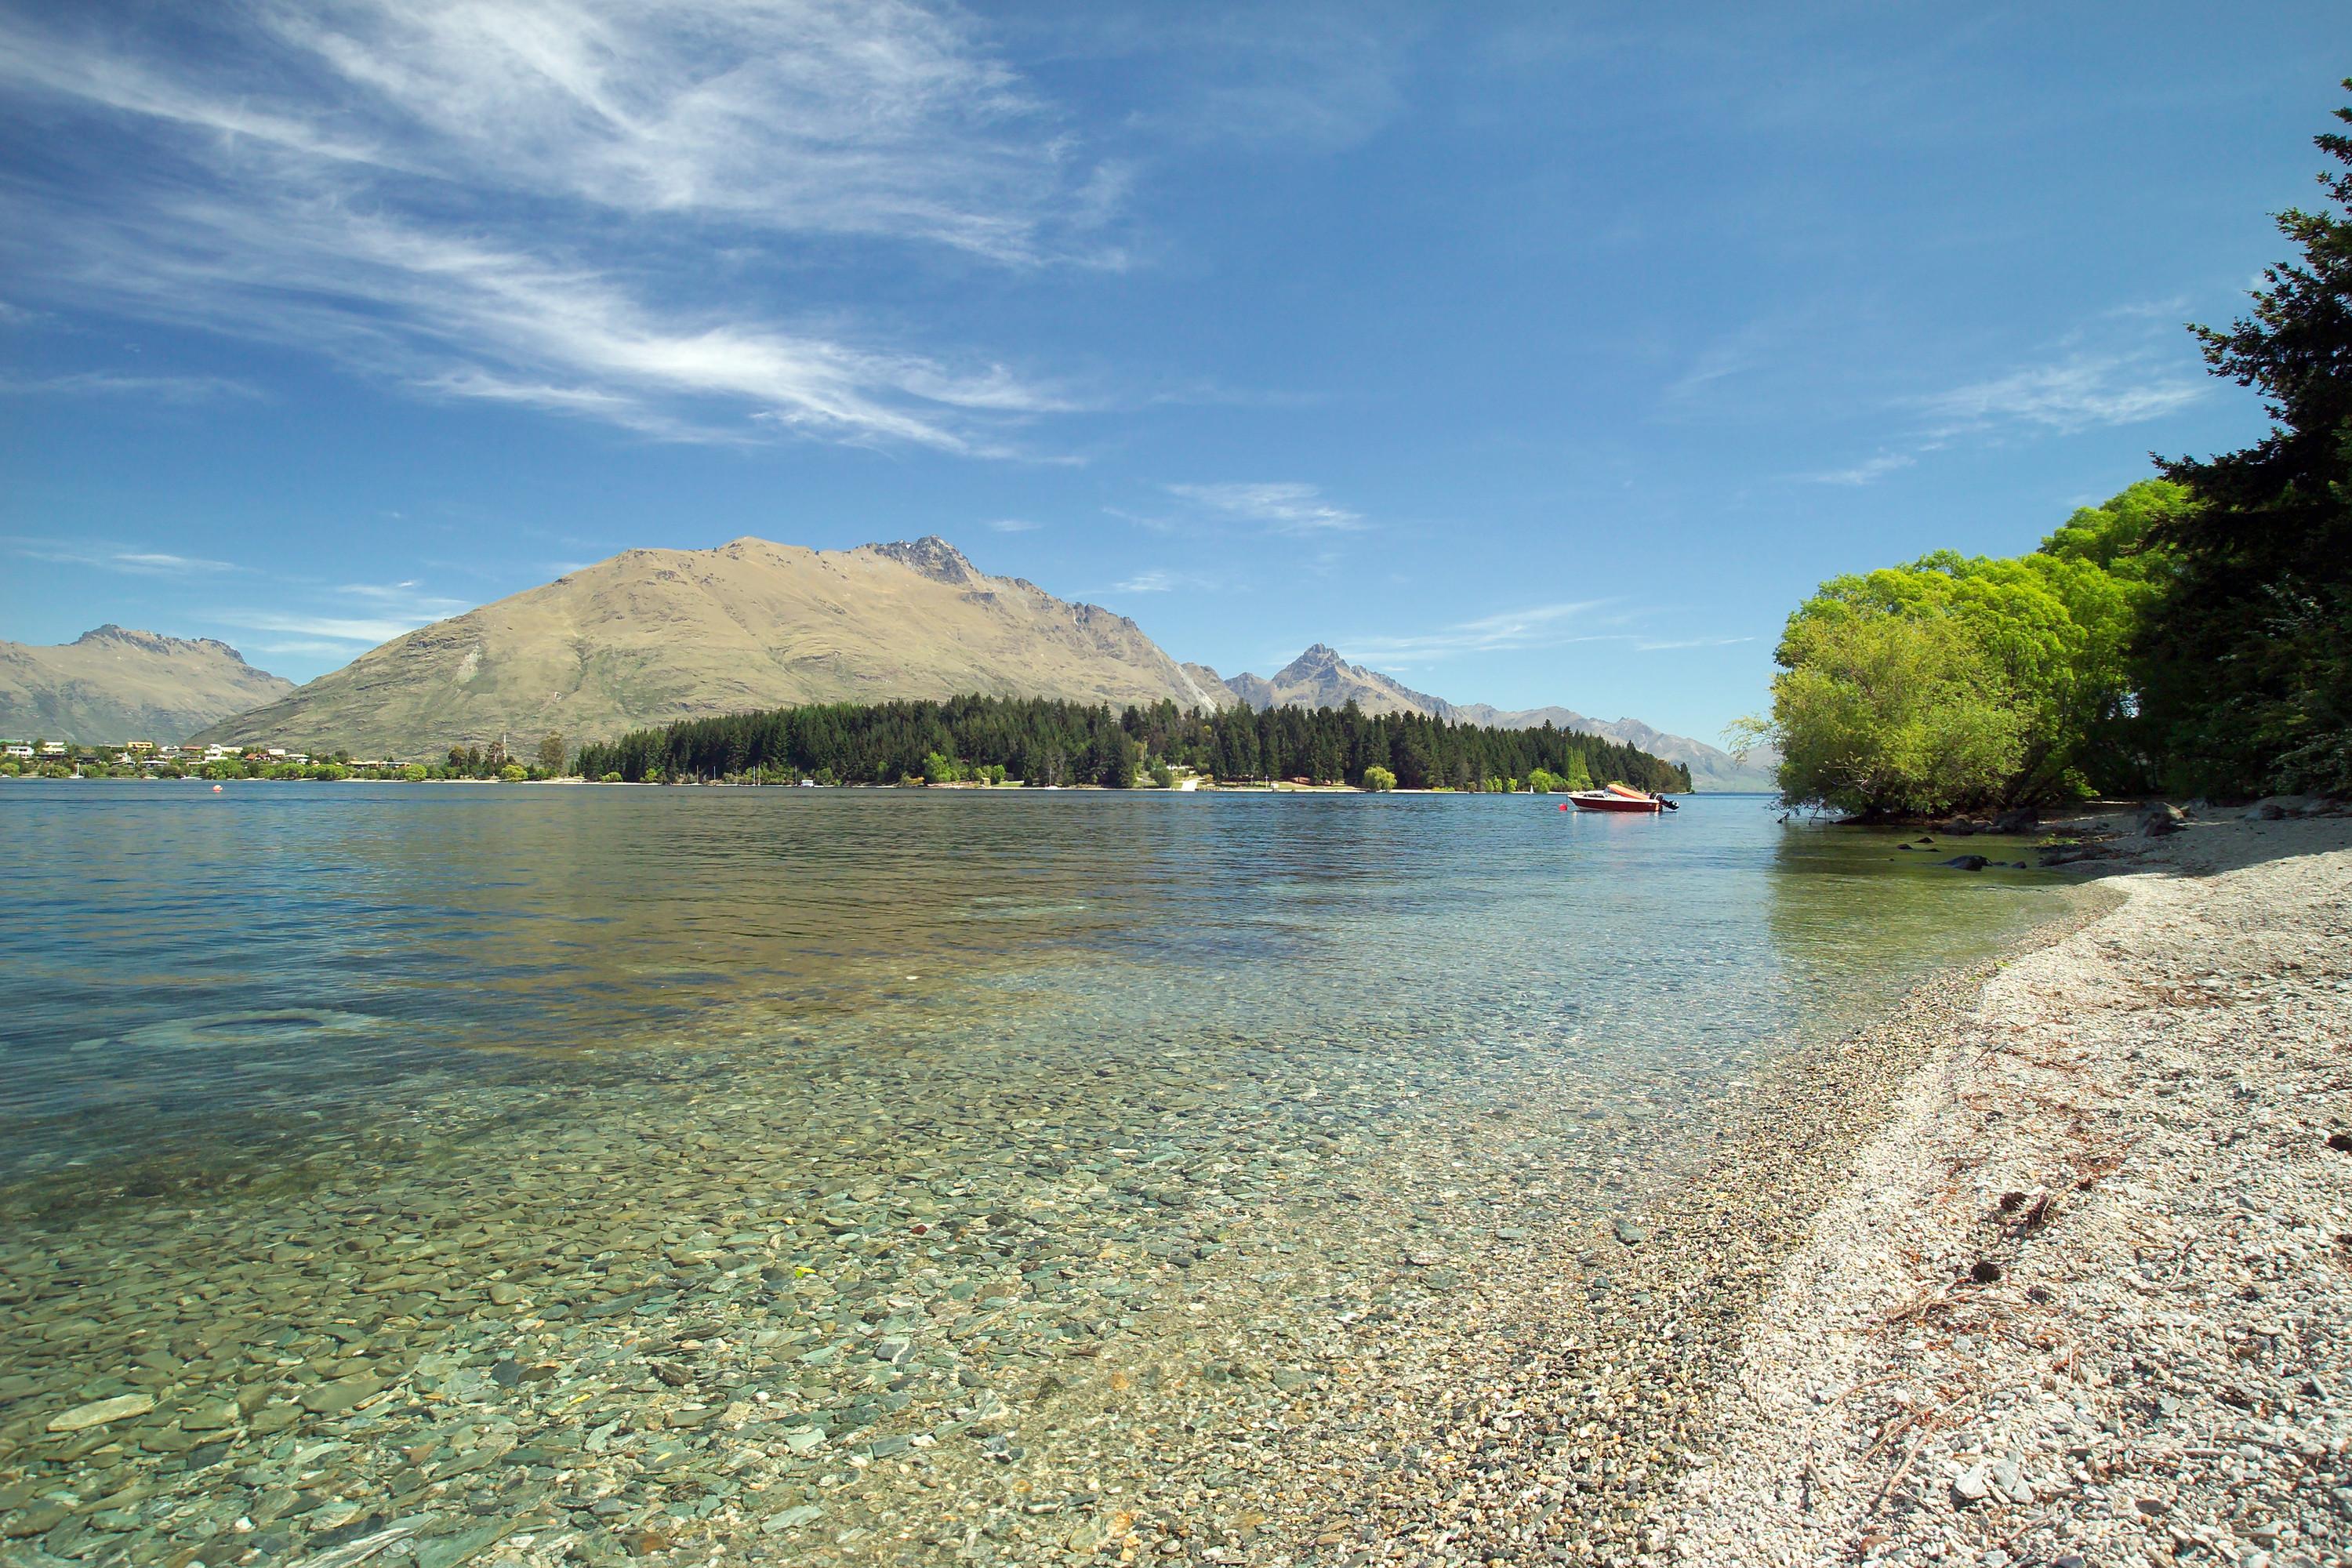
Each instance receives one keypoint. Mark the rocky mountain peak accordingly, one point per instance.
(153, 642)
(933, 556)
(1317, 659)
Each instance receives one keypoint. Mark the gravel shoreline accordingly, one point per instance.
(1545, 1409)
(2084, 1297)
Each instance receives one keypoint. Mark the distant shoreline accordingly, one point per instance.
(1007, 788)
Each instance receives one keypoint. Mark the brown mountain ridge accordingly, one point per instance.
(652, 635)
(113, 684)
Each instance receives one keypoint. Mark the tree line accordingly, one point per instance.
(2192, 635)
(1041, 741)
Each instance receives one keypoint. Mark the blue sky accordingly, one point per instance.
(1535, 356)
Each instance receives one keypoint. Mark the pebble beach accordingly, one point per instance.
(2084, 1299)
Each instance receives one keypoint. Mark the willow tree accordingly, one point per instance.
(1884, 710)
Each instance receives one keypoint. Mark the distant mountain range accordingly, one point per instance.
(1319, 677)
(112, 685)
(652, 635)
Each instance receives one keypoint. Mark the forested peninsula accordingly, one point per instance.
(1043, 741)
(2193, 636)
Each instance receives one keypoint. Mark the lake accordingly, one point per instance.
(751, 1161)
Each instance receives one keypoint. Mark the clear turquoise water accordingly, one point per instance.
(276, 957)
(848, 1178)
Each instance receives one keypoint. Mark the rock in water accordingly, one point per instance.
(99, 1412)
(1965, 862)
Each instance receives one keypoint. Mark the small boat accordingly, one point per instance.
(1618, 797)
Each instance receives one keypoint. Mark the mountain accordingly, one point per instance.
(651, 635)
(112, 685)
(1321, 678)
(1712, 769)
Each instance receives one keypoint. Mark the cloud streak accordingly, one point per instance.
(377, 613)
(106, 383)
(1160, 580)
(2081, 393)
(1869, 471)
(130, 561)
(2084, 391)
(1285, 507)
(520, 201)
(1539, 626)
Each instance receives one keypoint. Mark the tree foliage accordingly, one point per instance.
(1889, 709)
(1041, 741)
(1963, 682)
(2248, 665)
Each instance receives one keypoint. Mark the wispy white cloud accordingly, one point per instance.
(1558, 625)
(366, 614)
(520, 201)
(1660, 645)
(302, 647)
(1538, 626)
(1014, 525)
(130, 560)
(1869, 471)
(406, 598)
(2168, 309)
(1285, 506)
(1160, 580)
(108, 384)
(2081, 393)
(342, 628)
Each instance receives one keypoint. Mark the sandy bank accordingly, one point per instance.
(2086, 1295)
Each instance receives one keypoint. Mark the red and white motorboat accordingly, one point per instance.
(1617, 797)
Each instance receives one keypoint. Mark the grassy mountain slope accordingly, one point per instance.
(113, 684)
(650, 636)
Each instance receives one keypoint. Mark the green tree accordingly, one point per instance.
(1162, 776)
(2247, 666)
(1115, 759)
(513, 772)
(551, 756)
(412, 774)
(1881, 711)
(940, 770)
(1377, 778)
(2055, 626)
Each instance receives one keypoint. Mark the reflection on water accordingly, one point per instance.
(182, 960)
(1020, 1140)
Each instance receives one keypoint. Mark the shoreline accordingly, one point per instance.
(1758, 1366)
(2027, 1326)
(1562, 1432)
